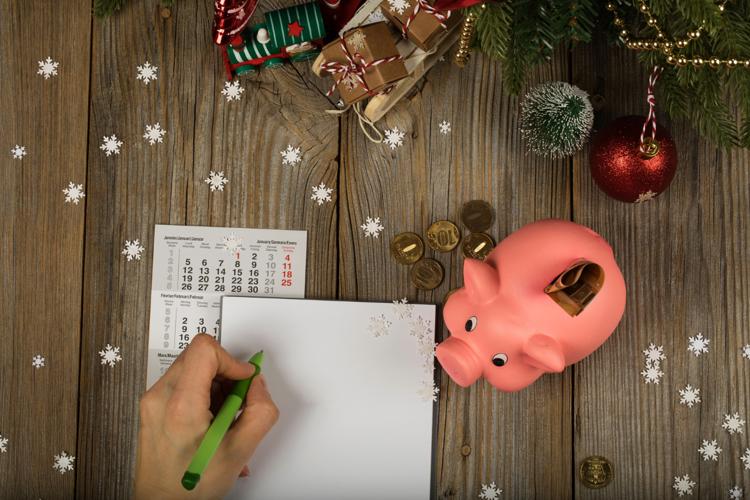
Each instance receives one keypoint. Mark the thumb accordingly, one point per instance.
(258, 417)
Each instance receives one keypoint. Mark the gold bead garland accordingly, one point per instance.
(464, 39)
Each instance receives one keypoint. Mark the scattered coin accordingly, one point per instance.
(595, 472)
(477, 245)
(407, 248)
(427, 274)
(443, 236)
(477, 215)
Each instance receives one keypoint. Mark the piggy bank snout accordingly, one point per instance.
(459, 361)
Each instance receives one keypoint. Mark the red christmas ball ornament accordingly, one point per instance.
(622, 170)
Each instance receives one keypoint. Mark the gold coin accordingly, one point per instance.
(443, 236)
(427, 274)
(407, 248)
(477, 245)
(595, 472)
(477, 215)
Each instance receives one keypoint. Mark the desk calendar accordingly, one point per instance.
(195, 266)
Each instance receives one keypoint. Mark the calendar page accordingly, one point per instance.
(195, 266)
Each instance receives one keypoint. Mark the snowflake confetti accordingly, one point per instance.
(110, 355)
(375, 17)
(3, 444)
(232, 91)
(698, 344)
(291, 156)
(398, 6)
(321, 194)
(690, 396)
(132, 250)
(147, 73)
(652, 374)
(379, 326)
(710, 450)
(154, 133)
(490, 492)
(403, 309)
(644, 197)
(654, 353)
(372, 227)
(356, 41)
(428, 391)
(419, 328)
(746, 351)
(111, 145)
(736, 493)
(733, 424)
(216, 181)
(683, 485)
(18, 152)
(746, 458)
(63, 462)
(232, 243)
(73, 193)
(394, 138)
(38, 361)
(47, 68)
(445, 127)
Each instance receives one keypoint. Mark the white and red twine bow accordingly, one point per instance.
(651, 119)
(355, 66)
(420, 5)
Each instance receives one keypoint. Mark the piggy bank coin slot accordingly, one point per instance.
(576, 286)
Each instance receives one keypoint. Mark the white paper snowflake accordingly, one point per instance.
(356, 41)
(445, 127)
(683, 485)
(38, 361)
(654, 353)
(291, 156)
(379, 326)
(710, 450)
(746, 351)
(690, 396)
(652, 374)
(216, 180)
(47, 68)
(375, 17)
(18, 152)
(110, 355)
(111, 145)
(419, 328)
(426, 351)
(63, 462)
(232, 243)
(73, 193)
(746, 458)
(154, 133)
(398, 6)
(232, 91)
(321, 194)
(644, 197)
(394, 138)
(403, 309)
(3, 444)
(133, 250)
(372, 227)
(698, 344)
(735, 493)
(428, 392)
(490, 492)
(733, 424)
(147, 73)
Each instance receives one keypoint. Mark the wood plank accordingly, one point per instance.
(41, 245)
(519, 441)
(684, 257)
(147, 185)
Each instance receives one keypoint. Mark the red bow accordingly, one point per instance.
(355, 67)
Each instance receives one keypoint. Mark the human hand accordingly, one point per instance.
(175, 414)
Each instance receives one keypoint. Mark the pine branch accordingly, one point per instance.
(493, 27)
(104, 8)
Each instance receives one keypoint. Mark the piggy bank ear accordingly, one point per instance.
(544, 352)
(480, 280)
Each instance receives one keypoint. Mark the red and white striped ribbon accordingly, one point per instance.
(651, 119)
(440, 15)
(355, 66)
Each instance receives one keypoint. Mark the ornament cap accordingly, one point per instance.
(649, 148)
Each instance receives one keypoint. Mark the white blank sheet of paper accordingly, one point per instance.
(353, 382)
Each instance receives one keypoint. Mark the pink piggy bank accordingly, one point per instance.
(547, 296)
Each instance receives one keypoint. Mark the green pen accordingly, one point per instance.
(219, 426)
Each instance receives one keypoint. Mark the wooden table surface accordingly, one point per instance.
(67, 291)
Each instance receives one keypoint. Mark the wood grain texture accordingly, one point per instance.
(684, 257)
(40, 241)
(520, 441)
(164, 183)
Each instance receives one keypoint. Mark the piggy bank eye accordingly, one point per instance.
(499, 359)
(471, 324)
